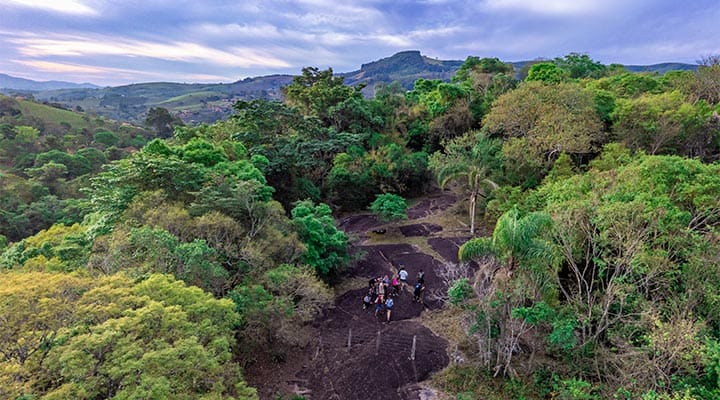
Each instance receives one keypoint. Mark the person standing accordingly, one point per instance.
(388, 306)
(403, 274)
(367, 300)
(379, 304)
(417, 293)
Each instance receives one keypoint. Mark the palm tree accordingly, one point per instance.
(472, 157)
(515, 239)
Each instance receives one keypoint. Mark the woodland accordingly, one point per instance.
(161, 261)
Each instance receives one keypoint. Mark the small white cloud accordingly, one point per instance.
(251, 31)
(76, 7)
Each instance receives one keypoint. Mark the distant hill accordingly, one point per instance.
(405, 67)
(197, 103)
(662, 68)
(194, 103)
(11, 82)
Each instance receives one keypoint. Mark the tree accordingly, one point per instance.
(162, 121)
(540, 121)
(516, 241)
(389, 207)
(84, 338)
(160, 339)
(633, 240)
(486, 65)
(667, 123)
(520, 244)
(707, 79)
(546, 72)
(34, 308)
(474, 157)
(327, 247)
(317, 92)
(580, 66)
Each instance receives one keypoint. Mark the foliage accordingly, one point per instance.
(546, 72)
(460, 291)
(327, 247)
(625, 235)
(539, 122)
(116, 338)
(667, 123)
(389, 207)
(474, 157)
(580, 66)
(161, 121)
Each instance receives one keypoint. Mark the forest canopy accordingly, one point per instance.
(141, 264)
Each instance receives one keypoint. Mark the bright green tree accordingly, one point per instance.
(518, 240)
(546, 72)
(389, 207)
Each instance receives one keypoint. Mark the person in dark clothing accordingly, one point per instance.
(388, 306)
(417, 292)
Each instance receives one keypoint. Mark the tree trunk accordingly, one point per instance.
(473, 202)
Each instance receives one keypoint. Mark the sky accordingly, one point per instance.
(115, 42)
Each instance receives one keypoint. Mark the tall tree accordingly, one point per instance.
(162, 121)
(540, 121)
(517, 239)
(474, 158)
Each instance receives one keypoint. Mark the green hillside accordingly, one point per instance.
(46, 156)
(197, 103)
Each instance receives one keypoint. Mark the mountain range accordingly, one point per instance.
(197, 103)
(11, 82)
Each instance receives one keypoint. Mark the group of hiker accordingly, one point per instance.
(382, 290)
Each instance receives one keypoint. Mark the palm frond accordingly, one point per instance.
(476, 248)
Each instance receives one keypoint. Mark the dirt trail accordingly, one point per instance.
(356, 355)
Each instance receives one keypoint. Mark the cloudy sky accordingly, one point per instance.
(112, 42)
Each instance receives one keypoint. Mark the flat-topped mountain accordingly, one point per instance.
(404, 67)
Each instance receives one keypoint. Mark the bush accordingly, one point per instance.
(460, 291)
(389, 207)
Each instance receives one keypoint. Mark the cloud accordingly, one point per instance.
(79, 46)
(81, 72)
(56, 67)
(260, 30)
(220, 38)
(76, 7)
(548, 7)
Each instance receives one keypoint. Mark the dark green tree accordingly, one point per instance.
(327, 247)
(161, 121)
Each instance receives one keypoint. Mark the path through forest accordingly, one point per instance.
(355, 355)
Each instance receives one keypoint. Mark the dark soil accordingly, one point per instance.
(359, 223)
(420, 230)
(447, 247)
(432, 205)
(356, 354)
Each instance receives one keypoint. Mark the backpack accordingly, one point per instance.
(389, 303)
